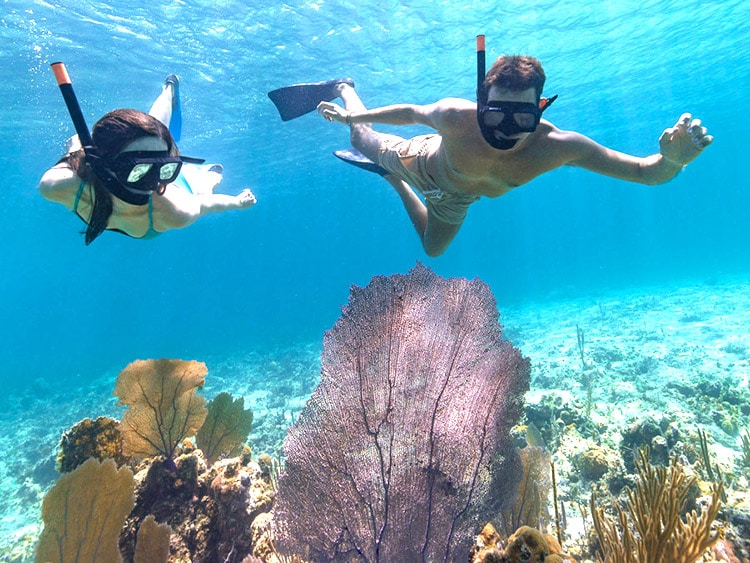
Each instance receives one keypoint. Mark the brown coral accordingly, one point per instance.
(100, 439)
(163, 406)
(487, 547)
(84, 513)
(593, 463)
(527, 544)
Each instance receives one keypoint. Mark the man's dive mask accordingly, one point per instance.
(509, 118)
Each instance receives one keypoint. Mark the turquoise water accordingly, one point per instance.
(278, 274)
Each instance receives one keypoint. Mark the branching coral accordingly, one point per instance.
(746, 449)
(164, 408)
(650, 529)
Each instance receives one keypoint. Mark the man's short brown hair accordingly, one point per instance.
(515, 72)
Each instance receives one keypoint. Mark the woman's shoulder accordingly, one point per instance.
(174, 209)
(60, 183)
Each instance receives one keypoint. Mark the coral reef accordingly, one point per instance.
(210, 509)
(405, 443)
(163, 407)
(176, 505)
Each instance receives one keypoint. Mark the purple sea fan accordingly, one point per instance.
(403, 451)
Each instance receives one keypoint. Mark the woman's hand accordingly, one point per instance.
(245, 199)
(683, 143)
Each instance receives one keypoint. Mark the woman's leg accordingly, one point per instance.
(167, 100)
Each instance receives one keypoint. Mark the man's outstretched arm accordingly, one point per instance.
(678, 146)
(396, 114)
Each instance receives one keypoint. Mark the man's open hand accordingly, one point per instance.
(682, 143)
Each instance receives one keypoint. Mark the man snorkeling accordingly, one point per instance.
(480, 149)
(128, 176)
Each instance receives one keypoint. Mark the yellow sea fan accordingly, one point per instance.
(84, 513)
(163, 405)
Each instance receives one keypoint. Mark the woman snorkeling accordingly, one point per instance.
(135, 181)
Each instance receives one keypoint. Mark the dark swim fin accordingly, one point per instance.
(356, 158)
(299, 99)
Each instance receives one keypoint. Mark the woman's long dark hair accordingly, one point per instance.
(111, 134)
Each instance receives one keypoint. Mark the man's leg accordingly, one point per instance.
(434, 234)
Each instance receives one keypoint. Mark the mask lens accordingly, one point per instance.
(493, 118)
(169, 171)
(138, 172)
(525, 121)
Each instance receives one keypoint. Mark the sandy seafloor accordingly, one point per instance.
(677, 355)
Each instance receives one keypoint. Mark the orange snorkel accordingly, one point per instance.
(481, 66)
(74, 109)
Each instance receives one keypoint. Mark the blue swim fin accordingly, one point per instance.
(356, 158)
(175, 123)
(299, 99)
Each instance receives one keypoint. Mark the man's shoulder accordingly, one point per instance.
(454, 112)
(457, 104)
(558, 134)
(569, 145)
